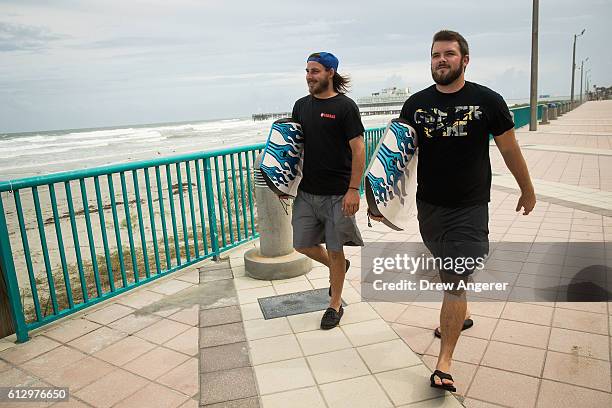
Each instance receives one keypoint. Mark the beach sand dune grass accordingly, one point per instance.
(105, 275)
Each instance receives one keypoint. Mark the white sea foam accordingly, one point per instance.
(29, 154)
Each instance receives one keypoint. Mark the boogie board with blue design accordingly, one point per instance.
(391, 176)
(283, 157)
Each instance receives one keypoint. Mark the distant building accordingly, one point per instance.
(394, 95)
(388, 101)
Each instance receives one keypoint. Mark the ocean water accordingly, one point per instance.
(39, 153)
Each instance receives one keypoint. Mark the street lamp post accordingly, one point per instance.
(574, 64)
(582, 76)
(587, 77)
(533, 97)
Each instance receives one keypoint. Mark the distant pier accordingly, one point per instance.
(266, 116)
(373, 109)
(380, 109)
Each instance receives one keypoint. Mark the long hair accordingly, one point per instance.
(341, 83)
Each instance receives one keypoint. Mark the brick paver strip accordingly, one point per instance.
(225, 357)
(216, 294)
(222, 334)
(227, 385)
(243, 403)
(221, 315)
(227, 378)
(217, 274)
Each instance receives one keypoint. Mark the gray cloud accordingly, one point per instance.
(116, 62)
(132, 42)
(21, 37)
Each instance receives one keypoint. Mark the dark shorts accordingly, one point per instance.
(318, 219)
(457, 233)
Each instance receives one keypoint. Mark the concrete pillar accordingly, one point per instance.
(274, 226)
(275, 257)
(544, 120)
(552, 113)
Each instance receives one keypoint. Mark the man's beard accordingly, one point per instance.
(319, 87)
(448, 78)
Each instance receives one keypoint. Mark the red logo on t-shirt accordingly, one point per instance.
(328, 115)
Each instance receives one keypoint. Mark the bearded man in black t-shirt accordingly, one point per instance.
(334, 158)
(453, 120)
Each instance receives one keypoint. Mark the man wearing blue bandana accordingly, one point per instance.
(334, 158)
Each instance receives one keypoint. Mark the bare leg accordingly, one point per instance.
(337, 271)
(468, 314)
(317, 253)
(452, 314)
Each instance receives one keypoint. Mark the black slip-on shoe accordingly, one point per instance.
(331, 318)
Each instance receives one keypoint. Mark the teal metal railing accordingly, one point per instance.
(371, 138)
(71, 240)
(523, 115)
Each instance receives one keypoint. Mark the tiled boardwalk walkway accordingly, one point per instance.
(198, 337)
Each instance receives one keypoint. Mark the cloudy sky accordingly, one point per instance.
(79, 63)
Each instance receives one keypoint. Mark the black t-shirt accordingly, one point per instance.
(453, 137)
(328, 125)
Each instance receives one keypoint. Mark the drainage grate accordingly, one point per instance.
(294, 303)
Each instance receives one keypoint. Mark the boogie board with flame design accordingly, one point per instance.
(283, 157)
(391, 176)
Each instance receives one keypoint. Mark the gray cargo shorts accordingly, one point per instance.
(318, 219)
(455, 233)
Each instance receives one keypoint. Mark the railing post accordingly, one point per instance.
(544, 115)
(210, 204)
(552, 111)
(8, 283)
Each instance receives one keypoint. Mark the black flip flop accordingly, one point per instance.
(467, 323)
(442, 376)
(348, 265)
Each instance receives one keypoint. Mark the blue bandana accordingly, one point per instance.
(327, 59)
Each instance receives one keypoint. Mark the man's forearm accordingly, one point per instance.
(516, 164)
